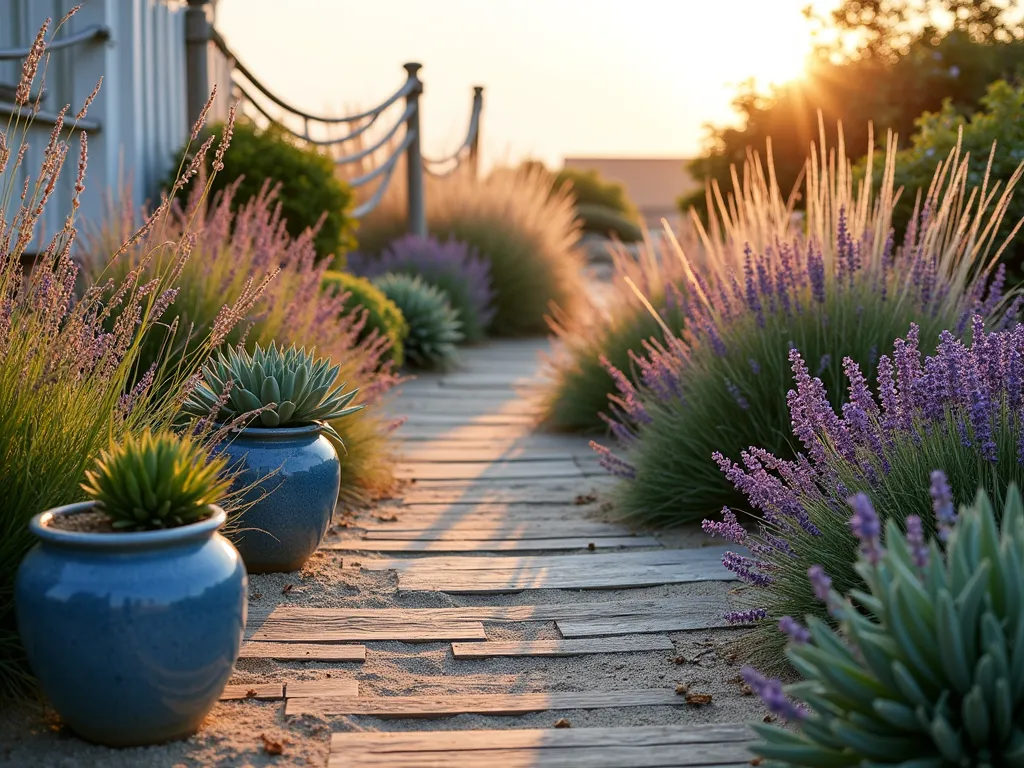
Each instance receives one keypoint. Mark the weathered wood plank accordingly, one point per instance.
(501, 582)
(481, 381)
(487, 472)
(573, 563)
(481, 704)
(477, 531)
(303, 652)
(369, 627)
(253, 691)
(430, 453)
(489, 418)
(327, 624)
(494, 493)
(335, 686)
(703, 755)
(624, 644)
(533, 443)
(488, 545)
(679, 622)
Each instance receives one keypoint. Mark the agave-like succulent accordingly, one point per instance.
(434, 327)
(154, 481)
(928, 668)
(280, 388)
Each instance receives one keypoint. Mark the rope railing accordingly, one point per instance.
(95, 33)
(395, 142)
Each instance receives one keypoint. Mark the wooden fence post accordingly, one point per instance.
(197, 57)
(414, 157)
(474, 146)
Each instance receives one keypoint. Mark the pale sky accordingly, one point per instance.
(629, 78)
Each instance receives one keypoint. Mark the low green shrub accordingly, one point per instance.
(434, 327)
(839, 288)
(590, 189)
(382, 316)
(958, 411)
(600, 220)
(927, 667)
(311, 195)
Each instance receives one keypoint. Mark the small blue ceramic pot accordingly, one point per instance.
(291, 477)
(131, 635)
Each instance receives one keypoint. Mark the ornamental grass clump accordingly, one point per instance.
(66, 366)
(576, 398)
(272, 389)
(927, 665)
(272, 282)
(958, 411)
(454, 267)
(837, 288)
(156, 480)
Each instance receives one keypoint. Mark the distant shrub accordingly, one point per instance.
(958, 411)
(526, 234)
(434, 327)
(452, 266)
(577, 398)
(997, 125)
(591, 190)
(600, 220)
(838, 289)
(310, 193)
(383, 316)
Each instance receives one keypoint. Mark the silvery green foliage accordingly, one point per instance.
(434, 327)
(927, 668)
(282, 388)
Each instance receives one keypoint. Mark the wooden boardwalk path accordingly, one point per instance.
(501, 528)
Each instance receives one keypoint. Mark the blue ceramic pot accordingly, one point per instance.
(292, 476)
(131, 635)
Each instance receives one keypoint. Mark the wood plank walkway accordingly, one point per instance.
(500, 528)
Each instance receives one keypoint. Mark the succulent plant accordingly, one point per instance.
(928, 668)
(156, 481)
(280, 388)
(434, 327)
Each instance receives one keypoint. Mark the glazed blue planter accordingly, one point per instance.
(131, 635)
(291, 477)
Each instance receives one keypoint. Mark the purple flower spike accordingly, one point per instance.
(866, 527)
(942, 503)
(746, 617)
(820, 581)
(772, 695)
(728, 528)
(794, 630)
(915, 538)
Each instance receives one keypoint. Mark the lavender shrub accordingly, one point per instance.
(839, 288)
(956, 414)
(454, 267)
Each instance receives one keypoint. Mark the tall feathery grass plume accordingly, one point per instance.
(71, 379)
(834, 285)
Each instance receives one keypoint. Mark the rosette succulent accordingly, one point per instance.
(154, 481)
(434, 327)
(279, 388)
(927, 668)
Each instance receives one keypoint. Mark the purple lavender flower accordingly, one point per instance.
(453, 266)
(728, 527)
(942, 503)
(866, 527)
(915, 538)
(746, 617)
(746, 569)
(741, 401)
(771, 693)
(613, 464)
(820, 581)
(794, 630)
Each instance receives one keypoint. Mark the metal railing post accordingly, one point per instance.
(474, 146)
(197, 56)
(413, 156)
